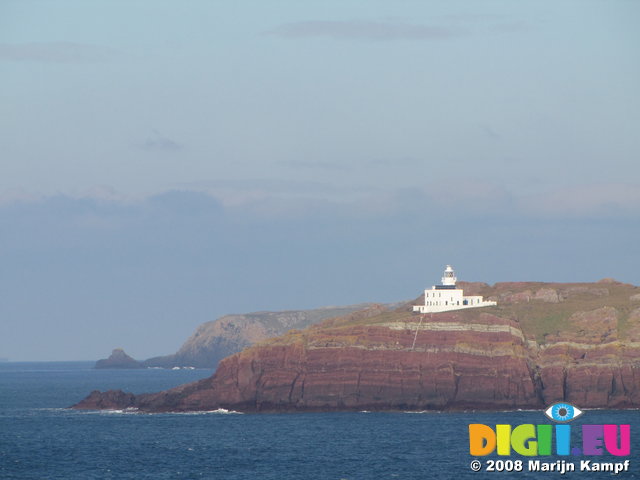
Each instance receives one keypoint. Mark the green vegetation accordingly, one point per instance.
(516, 301)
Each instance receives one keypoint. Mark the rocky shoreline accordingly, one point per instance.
(482, 359)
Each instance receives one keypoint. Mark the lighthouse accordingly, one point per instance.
(449, 278)
(447, 296)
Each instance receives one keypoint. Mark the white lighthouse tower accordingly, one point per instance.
(446, 296)
(449, 278)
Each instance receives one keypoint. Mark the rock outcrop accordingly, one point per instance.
(118, 359)
(542, 343)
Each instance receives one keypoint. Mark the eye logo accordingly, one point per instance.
(562, 412)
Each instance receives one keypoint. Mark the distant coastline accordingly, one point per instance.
(540, 343)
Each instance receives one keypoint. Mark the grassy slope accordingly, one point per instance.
(537, 318)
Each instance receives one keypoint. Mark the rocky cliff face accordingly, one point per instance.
(213, 341)
(594, 362)
(542, 343)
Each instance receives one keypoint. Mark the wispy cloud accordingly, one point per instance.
(490, 132)
(55, 52)
(394, 162)
(511, 27)
(276, 196)
(606, 200)
(158, 142)
(454, 199)
(16, 195)
(364, 30)
(490, 24)
(303, 164)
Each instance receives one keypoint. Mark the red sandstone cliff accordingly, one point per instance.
(542, 343)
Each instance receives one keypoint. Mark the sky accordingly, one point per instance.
(163, 163)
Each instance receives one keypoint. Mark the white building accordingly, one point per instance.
(445, 297)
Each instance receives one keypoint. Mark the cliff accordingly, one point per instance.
(215, 340)
(542, 343)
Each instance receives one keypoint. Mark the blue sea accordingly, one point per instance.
(41, 439)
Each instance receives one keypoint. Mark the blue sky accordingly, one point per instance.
(164, 162)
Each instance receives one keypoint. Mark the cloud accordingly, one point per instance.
(314, 165)
(364, 30)
(287, 198)
(265, 187)
(395, 162)
(474, 17)
(55, 52)
(158, 142)
(185, 202)
(492, 23)
(16, 195)
(511, 27)
(606, 200)
(179, 258)
(456, 198)
(274, 197)
(490, 132)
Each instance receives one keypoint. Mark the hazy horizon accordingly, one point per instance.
(166, 163)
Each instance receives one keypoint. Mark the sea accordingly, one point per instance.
(41, 438)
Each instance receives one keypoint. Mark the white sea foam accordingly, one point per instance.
(423, 411)
(135, 411)
(125, 411)
(219, 411)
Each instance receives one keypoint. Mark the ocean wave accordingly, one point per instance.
(423, 411)
(219, 411)
(136, 411)
(124, 411)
